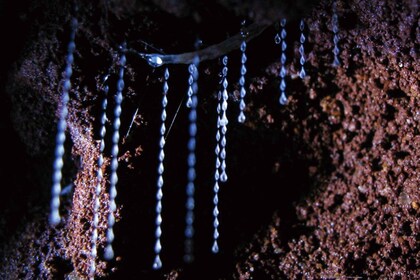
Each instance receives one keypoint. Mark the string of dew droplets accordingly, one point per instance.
(302, 72)
(157, 263)
(336, 38)
(99, 178)
(190, 204)
(242, 92)
(216, 187)
(109, 252)
(54, 218)
(281, 39)
(224, 121)
(190, 90)
(220, 152)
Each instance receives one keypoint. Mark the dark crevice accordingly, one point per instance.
(396, 93)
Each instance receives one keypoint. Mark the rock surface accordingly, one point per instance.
(326, 187)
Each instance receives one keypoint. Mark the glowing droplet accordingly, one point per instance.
(283, 99)
(55, 218)
(157, 263)
(277, 39)
(108, 253)
(154, 60)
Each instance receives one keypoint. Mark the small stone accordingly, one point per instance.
(404, 199)
(362, 189)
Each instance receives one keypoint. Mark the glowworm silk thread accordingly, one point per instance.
(336, 38)
(61, 129)
(109, 252)
(157, 264)
(216, 187)
(220, 151)
(242, 92)
(302, 39)
(224, 121)
(190, 205)
(99, 178)
(281, 39)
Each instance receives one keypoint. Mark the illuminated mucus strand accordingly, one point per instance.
(336, 37)
(61, 129)
(220, 174)
(242, 92)
(190, 91)
(99, 178)
(281, 39)
(190, 204)
(157, 264)
(302, 39)
(216, 187)
(109, 252)
(224, 121)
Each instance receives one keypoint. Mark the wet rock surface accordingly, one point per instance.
(325, 187)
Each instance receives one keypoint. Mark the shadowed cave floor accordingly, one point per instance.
(326, 187)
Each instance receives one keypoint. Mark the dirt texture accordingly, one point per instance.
(326, 187)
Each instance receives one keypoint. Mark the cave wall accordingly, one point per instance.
(326, 186)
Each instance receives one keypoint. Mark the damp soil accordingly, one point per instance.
(326, 187)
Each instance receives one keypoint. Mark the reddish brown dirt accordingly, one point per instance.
(326, 187)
